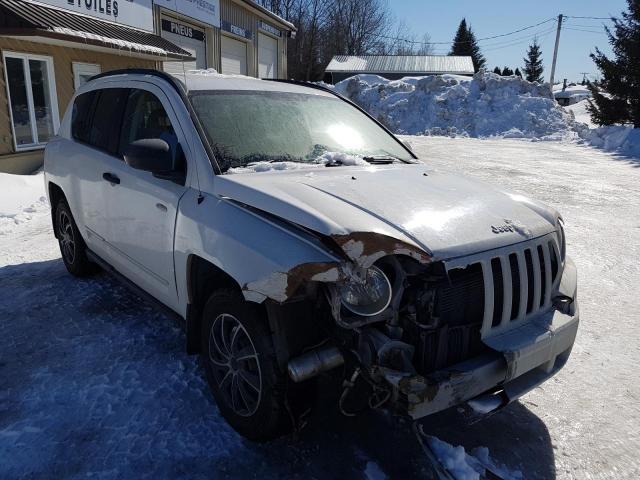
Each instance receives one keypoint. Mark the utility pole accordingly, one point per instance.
(555, 51)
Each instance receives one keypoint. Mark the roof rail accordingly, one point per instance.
(173, 81)
(317, 86)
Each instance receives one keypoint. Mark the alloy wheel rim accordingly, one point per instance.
(67, 240)
(234, 361)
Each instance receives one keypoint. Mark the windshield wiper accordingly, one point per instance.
(334, 163)
(380, 159)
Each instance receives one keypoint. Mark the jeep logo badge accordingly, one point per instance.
(502, 228)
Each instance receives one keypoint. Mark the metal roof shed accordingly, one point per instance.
(394, 67)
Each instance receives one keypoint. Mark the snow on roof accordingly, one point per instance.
(572, 91)
(401, 64)
(114, 42)
(210, 79)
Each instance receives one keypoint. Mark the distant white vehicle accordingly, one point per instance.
(296, 237)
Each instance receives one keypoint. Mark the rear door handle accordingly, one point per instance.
(111, 178)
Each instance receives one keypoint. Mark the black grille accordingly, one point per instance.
(543, 275)
(530, 279)
(498, 291)
(515, 285)
(554, 262)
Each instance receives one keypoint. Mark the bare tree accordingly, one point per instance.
(341, 27)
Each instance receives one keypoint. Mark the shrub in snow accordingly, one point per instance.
(485, 105)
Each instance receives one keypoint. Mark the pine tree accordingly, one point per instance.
(465, 44)
(507, 72)
(518, 73)
(533, 63)
(620, 76)
(497, 71)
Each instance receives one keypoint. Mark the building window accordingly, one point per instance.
(32, 97)
(82, 72)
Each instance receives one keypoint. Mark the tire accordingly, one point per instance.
(72, 246)
(250, 392)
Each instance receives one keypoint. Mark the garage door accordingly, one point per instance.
(188, 38)
(234, 56)
(267, 56)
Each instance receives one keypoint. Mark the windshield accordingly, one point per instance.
(248, 127)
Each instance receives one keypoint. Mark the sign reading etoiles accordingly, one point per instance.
(133, 13)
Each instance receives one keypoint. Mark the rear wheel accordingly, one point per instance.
(240, 364)
(72, 246)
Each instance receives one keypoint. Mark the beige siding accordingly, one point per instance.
(63, 58)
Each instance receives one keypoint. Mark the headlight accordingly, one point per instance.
(369, 295)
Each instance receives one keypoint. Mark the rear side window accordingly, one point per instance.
(82, 115)
(107, 119)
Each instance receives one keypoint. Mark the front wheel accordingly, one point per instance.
(240, 364)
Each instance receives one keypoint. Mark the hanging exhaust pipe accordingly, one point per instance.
(314, 363)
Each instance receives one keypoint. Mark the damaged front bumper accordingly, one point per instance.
(521, 359)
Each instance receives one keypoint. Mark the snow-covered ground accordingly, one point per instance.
(95, 383)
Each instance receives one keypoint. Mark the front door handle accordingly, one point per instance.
(161, 207)
(111, 178)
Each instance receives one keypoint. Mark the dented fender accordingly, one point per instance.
(269, 257)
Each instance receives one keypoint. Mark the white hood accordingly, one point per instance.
(443, 214)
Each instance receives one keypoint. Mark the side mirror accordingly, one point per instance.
(407, 144)
(153, 155)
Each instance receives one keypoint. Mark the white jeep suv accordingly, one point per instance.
(297, 237)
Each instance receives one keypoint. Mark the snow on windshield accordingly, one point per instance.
(328, 158)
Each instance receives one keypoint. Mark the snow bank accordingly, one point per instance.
(21, 196)
(580, 113)
(618, 139)
(485, 105)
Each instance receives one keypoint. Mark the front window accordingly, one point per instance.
(248, 127)
(32, 99)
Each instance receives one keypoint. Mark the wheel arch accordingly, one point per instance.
(203, 277)
(55, 195)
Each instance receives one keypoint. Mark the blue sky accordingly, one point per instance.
(493, 17)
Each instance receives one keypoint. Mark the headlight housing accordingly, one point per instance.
(368, 295)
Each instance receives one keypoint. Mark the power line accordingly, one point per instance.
(543, 36)
(599, 32)
(500, 45)
(417, 42)
(590, 18)
(593, 25)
